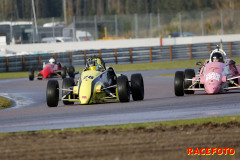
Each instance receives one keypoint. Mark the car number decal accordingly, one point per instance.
(212, 76)
(88, 77)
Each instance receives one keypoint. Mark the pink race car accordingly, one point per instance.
(218, 74)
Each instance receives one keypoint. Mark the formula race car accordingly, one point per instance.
(217, 75)
(97, 84)
(52, 70)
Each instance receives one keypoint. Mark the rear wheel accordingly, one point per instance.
(178, 83)
(71, 72)
(31, 74)
(67, 82)
(123, 88)
(137, 87)
(64, 72)
(189, 74)
(52, 93)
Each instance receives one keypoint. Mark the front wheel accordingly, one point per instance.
(64, 72)
(52, 93)
(67, 83)
(137, 87)
(31, 74)
(179, 83)
(189, 74)
(123, 89)
(71, 72)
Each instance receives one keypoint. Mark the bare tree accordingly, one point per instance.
(70, 9)
(78, 8)
(99, 8)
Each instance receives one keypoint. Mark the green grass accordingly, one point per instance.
(157, 65)
(9, 75)
(4, 103)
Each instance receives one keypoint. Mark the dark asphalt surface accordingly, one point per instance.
(31, 112)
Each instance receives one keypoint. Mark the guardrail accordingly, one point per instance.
(119, 56)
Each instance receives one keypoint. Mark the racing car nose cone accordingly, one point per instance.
(45, 72)
(211, 89)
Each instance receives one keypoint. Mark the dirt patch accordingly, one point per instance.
(158, 143)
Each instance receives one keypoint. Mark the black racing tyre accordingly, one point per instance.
(31, 74)
(189, 74)
(64, 72)
(123, 88)
(67, 82)
(71, 72)
(52, 93)
(179, 83)
(137, 87)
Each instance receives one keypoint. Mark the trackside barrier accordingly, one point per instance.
(119, 55)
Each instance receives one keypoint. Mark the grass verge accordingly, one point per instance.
(4, 103)
(10, 75)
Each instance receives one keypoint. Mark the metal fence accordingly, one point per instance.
(199, 23)
(119, 56)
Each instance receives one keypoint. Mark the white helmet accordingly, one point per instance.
(218, 51)
(51, 60)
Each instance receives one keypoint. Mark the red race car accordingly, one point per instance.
(53, 70)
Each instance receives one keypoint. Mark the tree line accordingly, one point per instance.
(22, 9)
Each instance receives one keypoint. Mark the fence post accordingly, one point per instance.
(131, 58)
(70, 58)
(54, 56)
(150, 49)
(23, 63)
(190, 50)
(7, 64)
(100, 53)
(230, 46)
(170, 52)
(115, 54)
(39, 60)
(210, 47)
(85, 57)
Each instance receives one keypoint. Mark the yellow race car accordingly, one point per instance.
(97, 84)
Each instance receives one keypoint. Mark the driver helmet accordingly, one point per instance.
(51, 60)
(91, 65)
(217, 57)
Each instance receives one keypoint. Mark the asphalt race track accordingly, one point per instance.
(31, 112)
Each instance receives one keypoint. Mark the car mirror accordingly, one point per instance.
(199, 63)
(232, 62)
